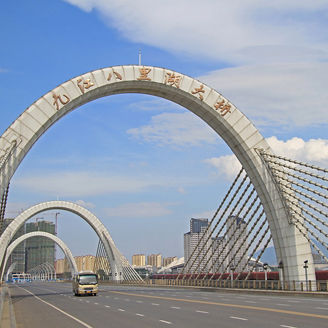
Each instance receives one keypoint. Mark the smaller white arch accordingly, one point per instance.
(121, 269)
(57, 240)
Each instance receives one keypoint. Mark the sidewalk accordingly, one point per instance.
(7, 315)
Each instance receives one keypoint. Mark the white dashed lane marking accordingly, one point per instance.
(175, 307)
(202, 311)
(238, 318)
(140, 315)
(121, 310)
(287, 326)
(167, 322)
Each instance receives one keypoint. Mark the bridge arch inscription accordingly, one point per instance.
(232, 125)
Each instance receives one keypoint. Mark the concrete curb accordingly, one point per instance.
(7, 314)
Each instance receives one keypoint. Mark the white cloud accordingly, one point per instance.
(139, 210)
(313, 151)
(227, 166)
(276, 94)
(175, 129)
(278, 49)
(76, 184)
(80, 184)
(231, 31)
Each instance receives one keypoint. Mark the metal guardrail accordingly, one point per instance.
(303, 286)
(309, 285)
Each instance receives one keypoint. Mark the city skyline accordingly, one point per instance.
(143, 165)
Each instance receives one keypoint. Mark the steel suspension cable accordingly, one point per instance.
(275, 169)
(258, 257)
(305, 195)
(244, 240)
(320, 177)
(218, 233)
(214, 216)
(310, 241)
(222, 216)
(310, 214)
(294, 161)
(293, 182)
(226, 240)
(306, 203)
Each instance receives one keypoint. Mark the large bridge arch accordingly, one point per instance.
(233, 126)
(114, 256)
(44, 234)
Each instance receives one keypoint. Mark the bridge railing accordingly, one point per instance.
(303, 286)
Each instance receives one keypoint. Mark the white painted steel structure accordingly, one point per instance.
(114, 255)
(292, 248)
(50, 236)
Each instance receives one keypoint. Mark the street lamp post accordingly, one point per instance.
(232, 270)
(265, 268)
(306, 275)
(281, 273)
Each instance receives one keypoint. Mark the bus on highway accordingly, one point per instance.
(85, 283)
(20, 277)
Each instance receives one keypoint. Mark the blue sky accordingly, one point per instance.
(143, 165)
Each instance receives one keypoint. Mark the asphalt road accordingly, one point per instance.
(53, 305)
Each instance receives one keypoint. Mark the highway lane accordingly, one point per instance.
(122, 306)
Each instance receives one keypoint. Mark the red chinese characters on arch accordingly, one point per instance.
(144, 71)
(60, 99)
(223, 106)
(116, 74)
(173, 79)
(84, 84)
(199, 91)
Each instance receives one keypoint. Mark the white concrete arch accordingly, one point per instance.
(57, 240)
(238, 132)
(112, 252)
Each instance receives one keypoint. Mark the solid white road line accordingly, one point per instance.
(250, 302)
(58, 309)
(280, 304)
(238, 318)
(320, 308)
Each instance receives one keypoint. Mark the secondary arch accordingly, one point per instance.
(116, 259)
(50, 236)
(237, 131)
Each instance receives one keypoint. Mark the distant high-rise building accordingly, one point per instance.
(168, 260)
(85, 262)
(154, 260)
(39, 250)
(197, 234)
(218, 253)
(139, 259)
(237, 242)
(18, 255)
